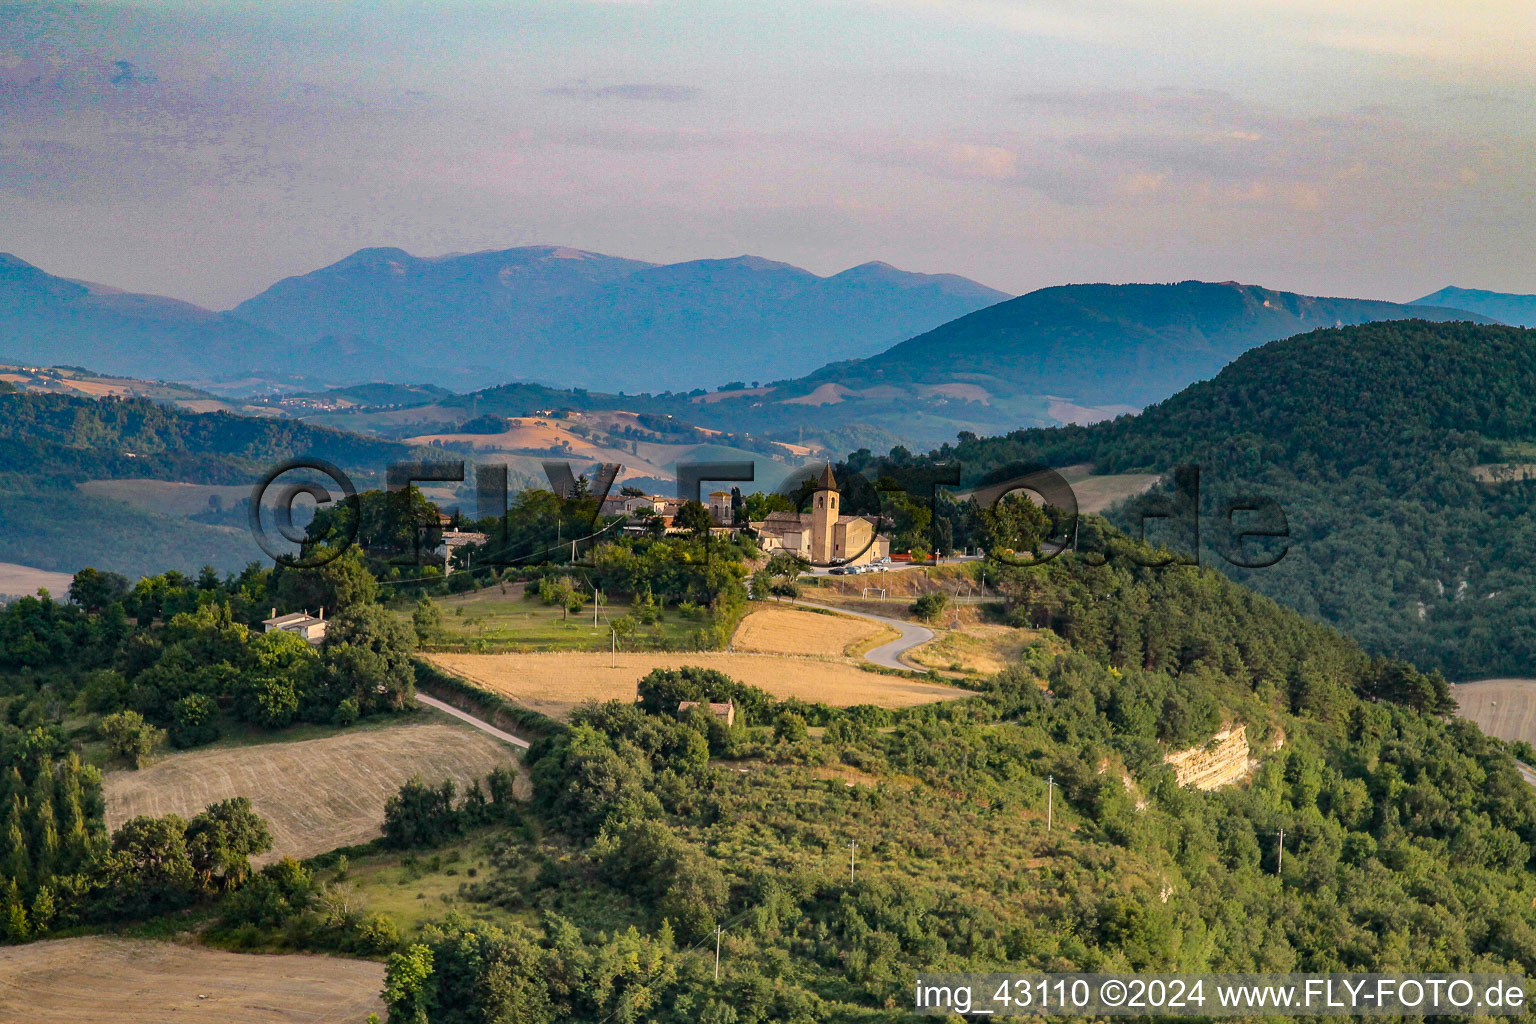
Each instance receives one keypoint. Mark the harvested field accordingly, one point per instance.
(554, 684)
(773, 630)
(135, 981)
(168, 496)
(521, 432)
(1505, 708)
(316, 795)
(24, 581)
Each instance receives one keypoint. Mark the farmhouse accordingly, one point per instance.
(725, 712)
(452, 540)
(311, 628)
(823, 535)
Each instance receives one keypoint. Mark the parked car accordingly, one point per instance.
(837, 570)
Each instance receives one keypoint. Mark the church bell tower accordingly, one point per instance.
(824, 513)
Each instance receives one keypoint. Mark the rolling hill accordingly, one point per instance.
(1109, 345)
(1069, 354)
(1402, 455)
(52, 446)
(1516, 310)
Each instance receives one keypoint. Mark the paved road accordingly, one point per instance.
(886, 655)
(464, 716)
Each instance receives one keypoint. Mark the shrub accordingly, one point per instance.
(930, 606)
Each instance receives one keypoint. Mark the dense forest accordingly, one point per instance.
(1398, 453)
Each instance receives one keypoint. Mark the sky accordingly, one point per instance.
(1379, 148)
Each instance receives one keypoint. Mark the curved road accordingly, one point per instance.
(887, 655)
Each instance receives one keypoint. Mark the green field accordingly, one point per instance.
(497, 619)
(414, 889)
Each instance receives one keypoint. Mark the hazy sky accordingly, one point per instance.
(203, 150)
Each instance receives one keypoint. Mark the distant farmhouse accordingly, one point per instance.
(303, 624)
(725, 712)
(822, 535)
(454, 539)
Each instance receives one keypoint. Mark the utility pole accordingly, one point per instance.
(1280, 855)
(613, 648)
(718, 931)
(594, 606)
(853, 844)
(1050, 799)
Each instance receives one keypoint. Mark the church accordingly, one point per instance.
(823, 535)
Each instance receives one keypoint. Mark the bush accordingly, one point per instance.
(930, 606)
(194, 721)
(789, 727)
(129, 737)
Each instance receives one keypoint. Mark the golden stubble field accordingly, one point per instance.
(554, 684)
(1505, 708)
(134, 981)
(24, 581)
(775, 630)
(315, 795)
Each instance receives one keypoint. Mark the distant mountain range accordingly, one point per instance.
(871, 356)
(1069, 354)
(572, 318)
(543, 313)
(51, 321)
(1515, 310)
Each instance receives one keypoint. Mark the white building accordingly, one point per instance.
(311, 628)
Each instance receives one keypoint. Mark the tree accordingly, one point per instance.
(420, 815)
(94, 590)
(130, 737)
(930, 606)
(693, 517)
(368, 657)
(427, 620)
(270, 701)
(338, 585)
(153, 870)
(221, 841)
(194, 720)
(283, 682)
(783, 571)
(1015, 523)
(789, 727)
(409, 986)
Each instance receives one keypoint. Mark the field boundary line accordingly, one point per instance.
(465, 716)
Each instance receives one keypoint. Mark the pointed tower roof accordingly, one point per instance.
(827, 482)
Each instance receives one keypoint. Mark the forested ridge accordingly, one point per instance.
(1396, 451)
(62, 436)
